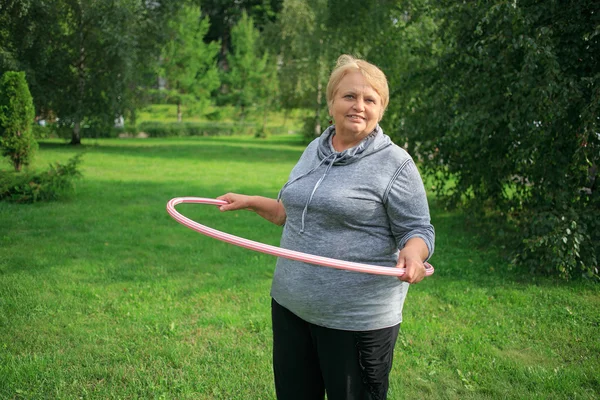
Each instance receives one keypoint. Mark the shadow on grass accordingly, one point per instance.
(278, 140)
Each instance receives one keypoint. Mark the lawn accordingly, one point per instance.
(104, 296)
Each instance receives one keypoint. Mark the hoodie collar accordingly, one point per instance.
(372, 143)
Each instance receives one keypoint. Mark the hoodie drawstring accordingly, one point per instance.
(334, 158)
(314, 190)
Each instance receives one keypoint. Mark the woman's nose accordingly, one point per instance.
(359, 104)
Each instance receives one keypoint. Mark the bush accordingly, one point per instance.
(308, 127)
(41, 132)
(564, 242)
(48, 185)
(161, 129)
(509, 109)
(16, 115)
(221, 113)
(93, 128)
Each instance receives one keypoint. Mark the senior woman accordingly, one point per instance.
(355, 196)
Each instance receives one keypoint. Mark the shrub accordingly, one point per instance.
(261, 132)
(16, 115)
(221, 113)
(41, 132)
(163, 129)
(564, 242)
(308, 126)
(509, 109)
(52, 184)
(174, 129)
(90, 127)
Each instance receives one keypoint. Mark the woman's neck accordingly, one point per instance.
(340, 144)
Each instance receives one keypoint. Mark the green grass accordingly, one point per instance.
(104, 296)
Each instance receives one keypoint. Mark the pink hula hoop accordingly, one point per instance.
(274, 250)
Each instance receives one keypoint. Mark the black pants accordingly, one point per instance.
(309, 360)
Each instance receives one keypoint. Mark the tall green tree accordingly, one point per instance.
(400, 37)
(9, 11)
(85, 60)
(224, 16)
(510, 110)
(310, 35)
(250, 82)
(16, 117)
(188, 63)
(305, 47)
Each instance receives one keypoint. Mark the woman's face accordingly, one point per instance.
(356, 107)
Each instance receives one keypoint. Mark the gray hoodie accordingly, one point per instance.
(361, 205)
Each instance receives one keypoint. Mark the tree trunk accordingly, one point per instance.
(263, 133)
(318, 110)
(76, 137)
(319, 90)
(179, 116)
(593, 177)
(319, 97)
(16, 160)
(286, 114)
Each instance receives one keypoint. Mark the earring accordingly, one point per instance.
(330, 121)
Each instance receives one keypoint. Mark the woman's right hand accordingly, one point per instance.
(234, 202)
(270, 209)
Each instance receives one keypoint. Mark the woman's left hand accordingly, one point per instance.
(411, 259)
(413, 266)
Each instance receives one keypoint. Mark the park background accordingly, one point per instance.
(109, 109)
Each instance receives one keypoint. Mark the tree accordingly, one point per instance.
(305, 48)
(224, 17)
(85, 60)
(16, 116)
(509, 110)
(268, 92)
(8, 11)
(249, 79)
(187, 62)
(403, 41)
(310, 35)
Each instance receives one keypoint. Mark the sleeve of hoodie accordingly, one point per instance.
(407, 207)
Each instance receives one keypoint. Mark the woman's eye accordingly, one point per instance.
(349, 96)
(372, 101)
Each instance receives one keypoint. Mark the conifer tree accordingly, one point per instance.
(188, 63)
(16, 116)
(250, 81)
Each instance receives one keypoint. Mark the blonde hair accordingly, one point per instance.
(374, 76)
